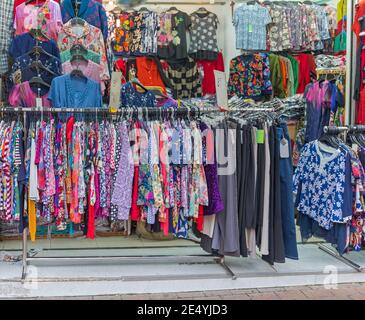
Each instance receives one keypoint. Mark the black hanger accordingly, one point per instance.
(77, 48)
(77, 73)
(330, 138)
(78, 57)
(36, 64)
(37, 50)
(143, 9)
(173, 9)
(29, 1)
(202, 9)
(38, 80)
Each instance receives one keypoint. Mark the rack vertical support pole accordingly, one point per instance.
(25, 253)
(222, 262)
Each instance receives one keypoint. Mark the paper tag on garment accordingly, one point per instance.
(260, 136)
(115, 86)
(354, 147)
(118, 23)
(284, 148)
(38, 103)
(221, 89)
(250, 27)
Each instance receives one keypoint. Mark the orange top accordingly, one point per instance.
(148, 73)
(284, 75)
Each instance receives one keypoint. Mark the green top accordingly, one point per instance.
(276, 76)
(295, 66)
(90, 55)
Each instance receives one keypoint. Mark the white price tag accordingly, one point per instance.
(115, 86)
(284, 149)
(221, 89)
(38, 103)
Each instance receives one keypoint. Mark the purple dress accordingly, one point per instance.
(211, 172)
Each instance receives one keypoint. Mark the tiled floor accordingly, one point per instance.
(352, 291)
(110, 278)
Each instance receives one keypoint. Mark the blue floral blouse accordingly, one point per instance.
(320, 183)
(131, 98)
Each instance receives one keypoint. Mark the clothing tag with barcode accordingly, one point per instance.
(284, 148)
(250, 27)
(38, 103)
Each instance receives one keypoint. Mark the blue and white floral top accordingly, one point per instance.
(320, 182)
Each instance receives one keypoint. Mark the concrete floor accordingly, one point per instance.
(108, 277)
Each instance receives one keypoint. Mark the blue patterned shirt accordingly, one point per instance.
(321, 181)
(250, 22)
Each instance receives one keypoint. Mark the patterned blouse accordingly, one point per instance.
(320, 184)
(47, 17)
(250, 76)
(90, 37)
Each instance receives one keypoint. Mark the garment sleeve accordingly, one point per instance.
(347, 196)
(232, 78)
(53, 95)
(98, 97)
(267, 17)
(187, 21)
(357, 85)
(54, 51)
(216, 21)
(13, 48)
(103, 59)
(298, 173)
(236, 18)
(104, 21)
(267, 81)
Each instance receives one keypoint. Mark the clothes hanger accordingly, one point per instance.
(39, 80)
(36, 64)
(202, 10)
(173, 9)
(77, 73)
(37, 50)
(38, 1)
(138, 83)
(77, 21)
(78, 57)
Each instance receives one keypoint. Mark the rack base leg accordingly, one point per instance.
(25, 253)
(339, 257)
(221, 262)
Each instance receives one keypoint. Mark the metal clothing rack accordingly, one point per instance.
(27, 259)
(333, 130)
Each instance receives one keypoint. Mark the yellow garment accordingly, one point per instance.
(341, 10)
(32, 219)
(151, 88)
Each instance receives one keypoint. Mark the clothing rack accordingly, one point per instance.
(333, 130)
(180, 110)
(197, 3)
(27, 259)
